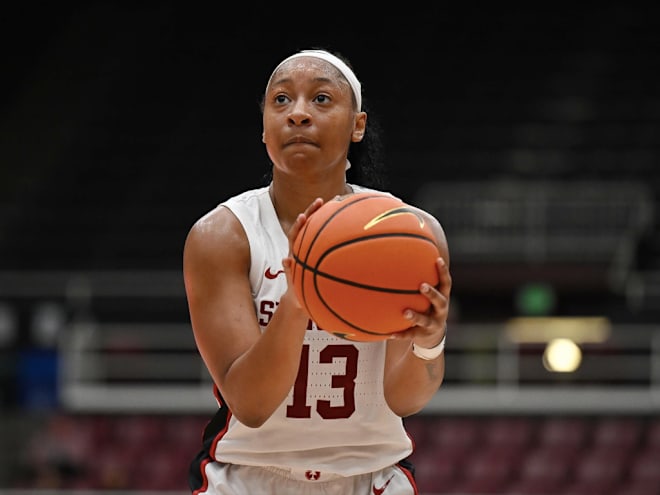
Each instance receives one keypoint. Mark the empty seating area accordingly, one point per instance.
(109, 452)
(586, 227)
(535, 455)
(455, 455)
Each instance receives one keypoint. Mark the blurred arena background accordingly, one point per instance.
(533, 133)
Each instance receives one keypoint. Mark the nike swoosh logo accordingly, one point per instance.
(270, 275)
(402, 210)
(379, 491)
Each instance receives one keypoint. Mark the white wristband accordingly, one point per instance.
(429, 354)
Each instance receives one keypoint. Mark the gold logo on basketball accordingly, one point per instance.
(394, 212)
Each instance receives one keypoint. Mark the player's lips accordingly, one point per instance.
(299, 140)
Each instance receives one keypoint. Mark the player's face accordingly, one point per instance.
(309, 116)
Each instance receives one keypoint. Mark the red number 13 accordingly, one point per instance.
(345, 381)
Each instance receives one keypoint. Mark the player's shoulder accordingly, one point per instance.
(249, 197)
(226, 209)
(356, 188)
(222, 221)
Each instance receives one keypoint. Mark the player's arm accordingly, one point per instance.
(253, 371)
(411, 381)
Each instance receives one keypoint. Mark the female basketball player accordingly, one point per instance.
(300, 410)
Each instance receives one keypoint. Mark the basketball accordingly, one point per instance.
(359, 263)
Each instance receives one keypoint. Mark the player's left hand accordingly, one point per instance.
(428, 329)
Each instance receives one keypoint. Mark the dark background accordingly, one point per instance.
(122, 123)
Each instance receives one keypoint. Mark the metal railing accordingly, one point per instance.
(134, 363)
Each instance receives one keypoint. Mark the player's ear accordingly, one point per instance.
(263, 136)
(359, 127)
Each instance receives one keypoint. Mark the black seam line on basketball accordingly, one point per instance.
(349, 202)
(346, 322)
(390, 290)
(354, 240)
(314, 272)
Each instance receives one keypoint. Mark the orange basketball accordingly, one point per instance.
(359, 263)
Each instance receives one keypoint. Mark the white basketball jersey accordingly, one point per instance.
(335, 418)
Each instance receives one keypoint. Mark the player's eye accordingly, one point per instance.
(281, 99)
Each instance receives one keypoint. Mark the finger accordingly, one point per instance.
(302, 218)
(435, 297)
(315, 205)
(419, 319)
(444, 283)
(296, 227)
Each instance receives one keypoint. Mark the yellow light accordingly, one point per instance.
(562, 356)
(534, 330)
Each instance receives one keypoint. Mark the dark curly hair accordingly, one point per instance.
(366, 156)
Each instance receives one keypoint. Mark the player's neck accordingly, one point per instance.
(291, 198)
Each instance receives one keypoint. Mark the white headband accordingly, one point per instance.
(334, 60)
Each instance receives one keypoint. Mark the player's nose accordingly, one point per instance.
(299, 114)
